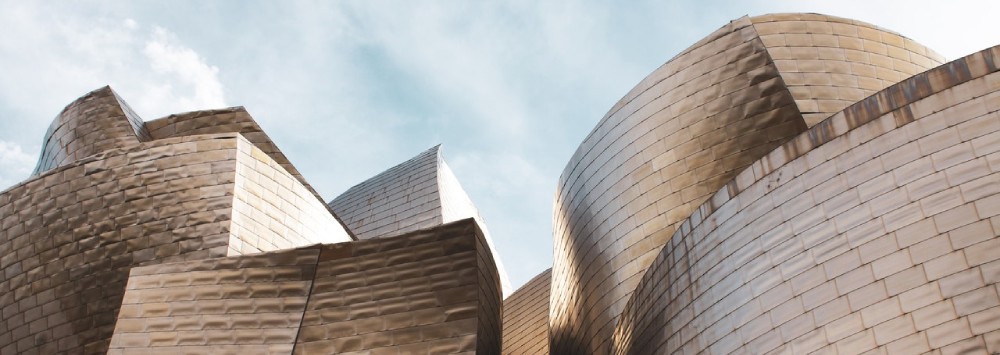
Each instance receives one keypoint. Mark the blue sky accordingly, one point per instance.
(348, 89)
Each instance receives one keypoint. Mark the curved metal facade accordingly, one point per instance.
(684, 132)
(95, 122)
(828, 62)
(526, 317)
(878, 229)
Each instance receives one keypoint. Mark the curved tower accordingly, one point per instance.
(683, 133)
(876, 230)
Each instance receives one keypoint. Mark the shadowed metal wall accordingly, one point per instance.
(878, 229)
(526, 317)
(430, 291)
(684, 132)
(419, 193)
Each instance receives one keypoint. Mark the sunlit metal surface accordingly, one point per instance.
(876, 230)
(526, 317)
(683, 133)
(421, 192)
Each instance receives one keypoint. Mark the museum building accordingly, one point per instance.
(792, 183)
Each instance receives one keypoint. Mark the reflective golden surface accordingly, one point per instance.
(526, 317)
(681, 135)
(879, 229)
(429, 291)
(136, 236)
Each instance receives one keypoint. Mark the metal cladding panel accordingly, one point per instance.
(830, 62)
(430, 291)
(228, 120)
(69, 236)
(687, 130)
(878, 230)
(668, 145)
(419, 193)
(273, 211)
(526, 317)
(402, 199)
(236, 305)
(96, 122)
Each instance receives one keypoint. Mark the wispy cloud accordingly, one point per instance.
(52, 55)
(199, 83)
(60, 54)
(350, 88)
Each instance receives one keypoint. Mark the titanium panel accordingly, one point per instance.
(69, 235)
(429, 291)
(878, 230)
(419, 193)
(829, 62)
(526, 317)
(236, 305)
(684, 132)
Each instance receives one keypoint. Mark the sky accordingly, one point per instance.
(347, 89)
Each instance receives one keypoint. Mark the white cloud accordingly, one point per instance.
(53, 54)
(15, 164)
(350, 88)
(180, 65)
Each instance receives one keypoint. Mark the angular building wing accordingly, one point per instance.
(147, 237)
(421, 292)
(419, 193)
(793, 183)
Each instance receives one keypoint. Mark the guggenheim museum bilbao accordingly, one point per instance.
(792, 183)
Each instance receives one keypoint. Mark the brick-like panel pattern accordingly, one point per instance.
(272, 210)
(69, 236)
(96, 122)
(430, 291)
(238, 305)
(830, 62)
(419, 193)
(402, 199)
(526, 317)
(228, 120)
(682, 133)
(876, 230)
